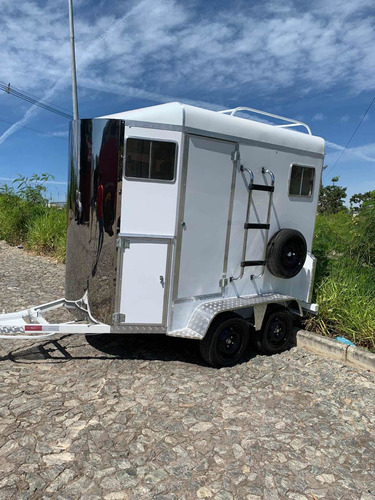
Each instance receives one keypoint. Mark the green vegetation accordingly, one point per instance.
(47, 233)
(331, 198)
(344, 244)
(26, 219)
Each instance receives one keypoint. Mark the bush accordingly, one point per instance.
(346, 298)
(47, 233)
(16, 215)
(345, 278)
(26, 219)
(364, 225)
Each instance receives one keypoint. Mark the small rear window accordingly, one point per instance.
(301, 181)
(153, 160)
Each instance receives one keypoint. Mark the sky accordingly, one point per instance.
(311, 61)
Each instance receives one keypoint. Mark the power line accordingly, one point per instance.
(35, 97)
(34, 130)
(353, 134)
(31, 100)
(34, 100)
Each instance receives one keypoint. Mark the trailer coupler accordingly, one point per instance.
(30, 323)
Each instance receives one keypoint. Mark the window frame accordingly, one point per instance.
(144, 179)
(290, 180)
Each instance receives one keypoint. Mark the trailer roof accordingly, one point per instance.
(207, 122)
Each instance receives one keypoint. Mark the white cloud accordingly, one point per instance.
(365, 152)
(33, 110)
(61, 133)
(165, 45)
(167, 48)
(318, 117)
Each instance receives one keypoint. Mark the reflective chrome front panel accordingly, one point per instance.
(94, 196)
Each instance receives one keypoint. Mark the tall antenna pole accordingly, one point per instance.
(73, 62)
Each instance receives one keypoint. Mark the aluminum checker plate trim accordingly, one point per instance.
(135, 329)
(204, 313)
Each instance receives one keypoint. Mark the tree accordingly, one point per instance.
(331, 198)
(357, 200)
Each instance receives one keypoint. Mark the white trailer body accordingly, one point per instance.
(177, 214)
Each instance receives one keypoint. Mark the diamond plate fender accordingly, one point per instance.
(203, 315)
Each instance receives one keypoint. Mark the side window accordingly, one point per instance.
(301, 181)
(154, 160)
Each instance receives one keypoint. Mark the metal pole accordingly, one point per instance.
(73, 62)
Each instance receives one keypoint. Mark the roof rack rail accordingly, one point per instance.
(290, 122)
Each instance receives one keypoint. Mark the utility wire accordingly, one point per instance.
(353, 134)
(34, 130)
(11, 87)
(33, 100)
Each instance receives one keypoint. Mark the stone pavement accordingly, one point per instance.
(142, 417)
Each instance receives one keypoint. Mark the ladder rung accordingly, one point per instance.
(248, 225)
(248, 263)
(262, 187)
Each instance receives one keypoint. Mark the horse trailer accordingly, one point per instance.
(190, 223)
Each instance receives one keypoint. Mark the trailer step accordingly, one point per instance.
(249, 225)
(248, 263)
(261, 187)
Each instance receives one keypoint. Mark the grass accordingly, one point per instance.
(47, 234)
(346, 299)
(36, 226)
(344, 245)
(345, 283)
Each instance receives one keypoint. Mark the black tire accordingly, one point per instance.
(225, 342)
(276, 332)
(286, 253)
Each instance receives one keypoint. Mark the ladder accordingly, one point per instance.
(266, 226)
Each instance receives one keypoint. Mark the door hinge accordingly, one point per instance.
(118, 318)
(122, 243)
(235, 155)
(223, 282)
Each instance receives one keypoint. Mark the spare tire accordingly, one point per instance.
(286, 253)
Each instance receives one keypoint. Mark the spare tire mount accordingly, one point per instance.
(286, 253)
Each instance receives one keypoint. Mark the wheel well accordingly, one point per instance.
(275, 307)
(216, 320)
(291, 306)
(294, 307)
(279, 306)
(221, 317)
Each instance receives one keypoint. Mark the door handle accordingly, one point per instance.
(162, 282)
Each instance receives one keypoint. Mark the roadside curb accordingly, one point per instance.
(331, 348)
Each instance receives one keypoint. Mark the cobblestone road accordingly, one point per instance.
(142, 417)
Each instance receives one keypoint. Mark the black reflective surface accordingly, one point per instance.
(94, 195)
(153, 160)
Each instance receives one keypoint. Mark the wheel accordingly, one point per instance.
(286, 253)
(225, 342)
(276, 331)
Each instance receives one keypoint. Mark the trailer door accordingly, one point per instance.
(205, 216)
(145, 282)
